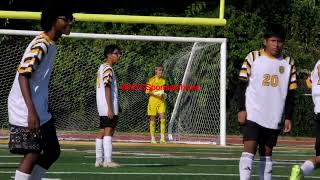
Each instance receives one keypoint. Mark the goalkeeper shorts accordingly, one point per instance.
(155, 108)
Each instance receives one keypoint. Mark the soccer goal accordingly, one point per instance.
(193, 116)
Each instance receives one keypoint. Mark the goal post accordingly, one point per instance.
(195, 116)
(220, 21)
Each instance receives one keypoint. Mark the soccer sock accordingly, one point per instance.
(107, 147)
(152, 129)
(21, 176)
(37, 172)
(245, 165)
(99, 150)
(307, 168)
(162, 128)
(265, 168)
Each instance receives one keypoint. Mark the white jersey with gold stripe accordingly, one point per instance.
(315, 80)
(269, 81)
(106, 77)
(37, 64)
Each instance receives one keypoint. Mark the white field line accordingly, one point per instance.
(162, 174)
(157, 164)
(289, 162)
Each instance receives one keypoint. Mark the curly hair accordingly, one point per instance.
(50, 14)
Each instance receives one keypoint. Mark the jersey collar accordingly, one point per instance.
(264, 53)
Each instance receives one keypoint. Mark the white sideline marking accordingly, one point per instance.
(132, 164)
(163, 174)
(140, 154)
(67, 150)
(200, 158)
(12, 177)
(220, 165)
(14, 156)
(8, 163)
(157, 164)
(150, 157)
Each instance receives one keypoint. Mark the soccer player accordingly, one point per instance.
(32, 130)
(107, 102)
(157, 104)
(313, 82)
(266, 92)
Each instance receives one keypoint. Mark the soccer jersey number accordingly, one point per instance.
(272, 80)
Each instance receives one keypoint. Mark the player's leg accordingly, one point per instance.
(110, 125)
(51, 150)
(162, 114)
(267, 141)
(309, 166)
(265, 163)
(250, 136)
(99, 145)
(26, 165)
(152, 127)
(152, 113)
(29, 145)
(162, 128)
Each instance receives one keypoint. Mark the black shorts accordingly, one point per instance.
(263, 136)
(107, 122)
(317, 126)
(21, 141)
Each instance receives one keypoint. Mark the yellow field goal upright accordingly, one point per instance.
(220, 21)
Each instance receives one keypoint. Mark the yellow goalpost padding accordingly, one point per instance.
(127, 18)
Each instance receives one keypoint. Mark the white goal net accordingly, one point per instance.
(192, 116)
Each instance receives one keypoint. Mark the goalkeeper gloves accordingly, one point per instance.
(160, 93)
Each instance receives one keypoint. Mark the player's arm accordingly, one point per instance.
(242, 87)
(25, 69)
(33, 119)
(107, 79)
(241, 97)
(309, 82)
(290, 100)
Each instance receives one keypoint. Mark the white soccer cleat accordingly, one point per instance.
(98, 164)
(111, 164)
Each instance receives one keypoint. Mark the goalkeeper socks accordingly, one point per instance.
(162, 128)
(153, 130)
(245, 165)
(37, 172)
(107, 147)
(99, 150)
(265, 168)
(307, 168)
(21, 175)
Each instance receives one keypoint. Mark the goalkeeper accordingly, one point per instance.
(157, 103)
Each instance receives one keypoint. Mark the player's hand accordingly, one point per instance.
(158, 93)
(110, 114)
(287, 126)
(242, 117)
(33, 122)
